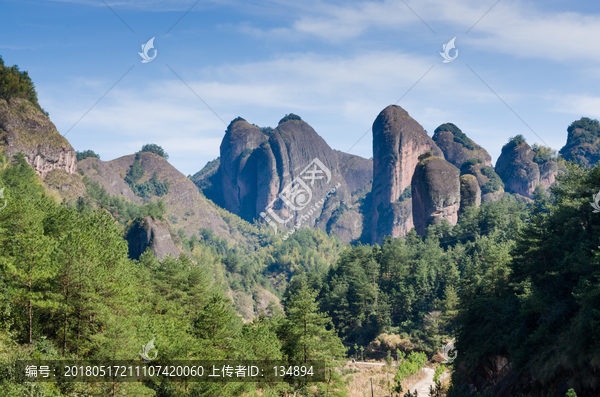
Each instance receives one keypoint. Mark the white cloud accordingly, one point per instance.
(579, 105)
(511, 27)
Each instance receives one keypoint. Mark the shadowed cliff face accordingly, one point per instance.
(457, 147)
(293, 161)
(398, 141)
(435, 193)
(25, 128)
(238, 169)
(154, 234)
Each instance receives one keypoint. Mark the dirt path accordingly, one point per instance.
(422, 386)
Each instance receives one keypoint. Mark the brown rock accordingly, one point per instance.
(398, 141)
(151, 233)
(105, 173)
(256, 170)
(492, 187)
(457, 147)
(519, 172)
(435, 192)
(470, 193)
(25, 128)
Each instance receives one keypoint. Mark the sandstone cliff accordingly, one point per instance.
(25, 128)
(457, 147)
(435, 192)
(289, 177)
(398, 141)
(520, 173)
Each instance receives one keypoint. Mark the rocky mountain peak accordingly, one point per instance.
(457, 147)
(519, 167)
(398, 141)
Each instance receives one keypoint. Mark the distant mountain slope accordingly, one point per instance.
(187, 209)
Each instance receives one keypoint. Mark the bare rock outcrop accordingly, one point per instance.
(583, 142)
(492, 187)
(357, 171)
(152, 233)
(435, 192)
(25, 128)
(470, 193)
(398, 141)
(457, 147)
(521, 170)
(289, 177)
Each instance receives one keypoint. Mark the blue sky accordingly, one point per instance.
(336, 64)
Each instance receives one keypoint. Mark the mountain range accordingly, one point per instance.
(289, 177)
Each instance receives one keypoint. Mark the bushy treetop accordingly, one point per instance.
(154, 148)
(288, 117)
(459, 136)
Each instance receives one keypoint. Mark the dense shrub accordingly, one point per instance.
(288, 117)
(85, 154)
(494, 184)
(459, 136)
(154, 148)
(16, 84)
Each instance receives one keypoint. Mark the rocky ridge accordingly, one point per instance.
(25, 128)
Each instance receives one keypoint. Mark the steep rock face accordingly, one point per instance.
(491, 185)
(398, 141)
(470, 193)
(290, 153)
(357, 171)
(187, 209)
(151, 233)
(435, 192)
(583, 142)
(520, 173)
(25, 128)
(457, 147)
(347, 226)
(238, 169)
(548, 172)
(290, 177)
